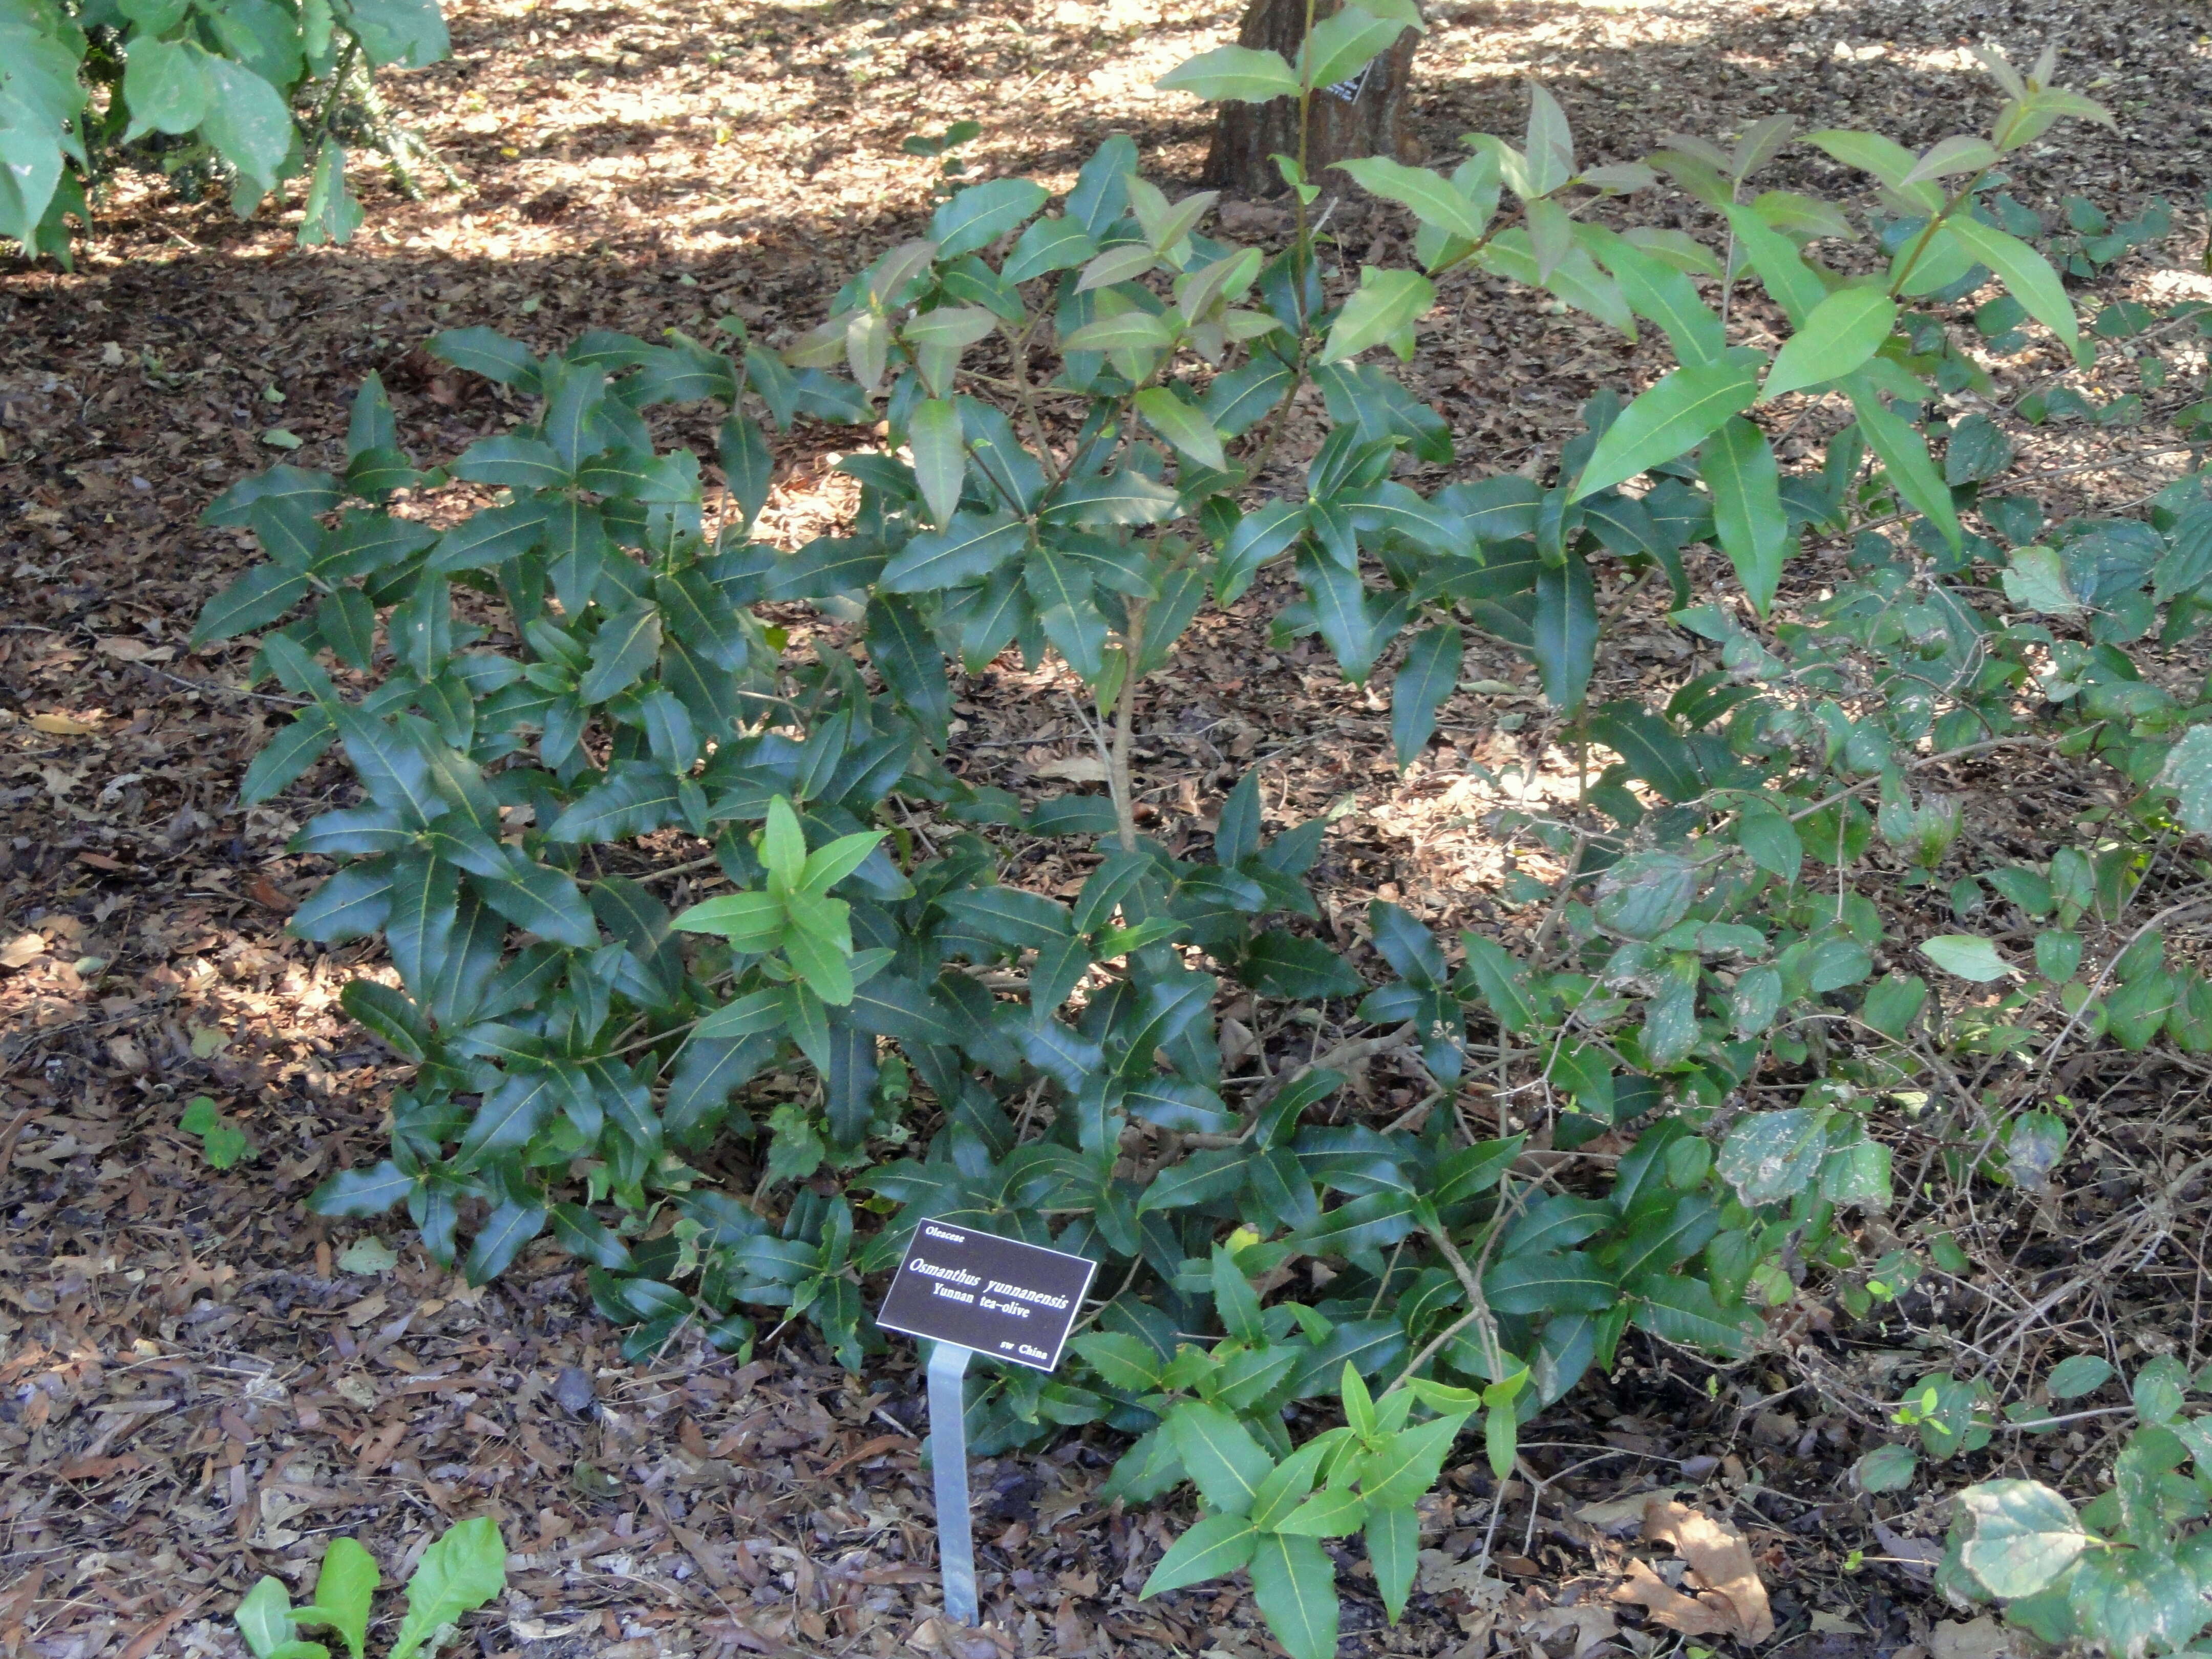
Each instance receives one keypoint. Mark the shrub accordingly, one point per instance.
(591, 662)
(249, 92)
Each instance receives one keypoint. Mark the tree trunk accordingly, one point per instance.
(1368, 122)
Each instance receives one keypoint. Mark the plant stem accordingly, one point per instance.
(1125, 721)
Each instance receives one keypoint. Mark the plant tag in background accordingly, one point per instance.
(996, 1295)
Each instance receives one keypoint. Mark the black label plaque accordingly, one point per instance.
(996, 1295)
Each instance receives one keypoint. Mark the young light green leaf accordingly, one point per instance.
(1551, 143)
(1672, 417)
(2026, 274)
(1241, 75)
(1434, 199)
(1182, 425)
(1740, 469)
(1384, 309)
(940, 456)
(1845, 330)
(456, 1575)
(265, 1617)
(343, 1591)
(1341, 44)
(1904, 451)
(1967, 954)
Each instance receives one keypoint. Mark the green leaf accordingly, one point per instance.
(2077, 1375)
(1182, 425)
(265, 1617)
(2019, 1535)
(970, 548)
(1385, 307)
(1775, 257)
(1770, 1157)
(1887, 1468)
(1332, 1512)
(1666, 295)
(408, 33)
(361, 1192)
(1885, 158)
(1904, 451)
(1281, 963)
(1394, 1550)
(1671, 419)
(246, 121)
(2188, 773)
(1844, 331)
(1294, 1582)
(1240, 74)
(1643, 895)
(460, 1573)
(1685, 1310)
(1048, 245)
(164, 87)
(1434, 199)
(1407, 1464)
(1216, 1546)
(1224, 1461)
(2035, 580)
(255, 599)
(1565, 630)
(981, 213)
(627, 644)
(940, 456)
(1427, 676)
(547, 902)
(1129, 331)
(1967, 954)
(2025, 273)
(1738, 467)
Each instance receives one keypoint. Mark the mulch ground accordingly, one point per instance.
(199, 1382)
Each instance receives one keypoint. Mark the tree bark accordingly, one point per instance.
(1370, 122)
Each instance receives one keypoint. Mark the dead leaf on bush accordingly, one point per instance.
(1719, 1558)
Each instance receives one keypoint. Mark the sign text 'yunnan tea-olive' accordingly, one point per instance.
(996, 1295)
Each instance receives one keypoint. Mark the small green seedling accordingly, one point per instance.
(221, 1142)
(460, 1573)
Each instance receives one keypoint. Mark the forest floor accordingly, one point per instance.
(199, 1382)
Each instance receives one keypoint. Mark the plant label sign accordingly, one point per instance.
(995, 1296)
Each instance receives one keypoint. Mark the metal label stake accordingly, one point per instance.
(948, 1455)
(968, 1292)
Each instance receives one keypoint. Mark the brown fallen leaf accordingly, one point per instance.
(1706, 1615)
(130, 650)
(1075, 769)
(1977, 1638)
(1593, 1627)
(22, 951)
(1719, 1558)
(1618, 1516)
(64, 725)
